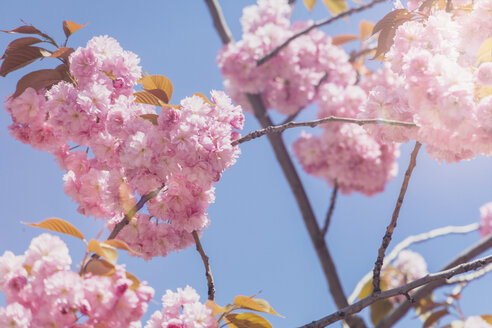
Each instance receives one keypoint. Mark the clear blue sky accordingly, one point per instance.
(257, 240)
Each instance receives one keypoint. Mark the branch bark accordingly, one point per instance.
(391, 227)
(439, 277)
(270, 129)
(331, 209)
(219, 21)
(208, 271)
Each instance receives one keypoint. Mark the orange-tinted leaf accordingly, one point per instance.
(127, 200)
(487, 318)
(309, 4)
(484, 53)
(120, 244)
(150, 117)
(63, 52)
(135, 281)
(25, 29)
(158, 82)
(365, 29)
(28, 268)
(379, 310)
(58, 225)
(106, 251)
(20, 43)
(434, 318)
(41, 79)
(216, 309)
(248, 320)
(335, 6)
(205, 99)
(19, 58)
(257, 304)
(70, 27)
(145, 97)
(99, 267)
(342, 39)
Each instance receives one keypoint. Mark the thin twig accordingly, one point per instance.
(440, 277)
(316, 25)
(291, 117)
(280, 128)
(471, 276)
(406, 243)
(331, 209)
(219, 21)
(391, 227)
(355, 55)
(470, 253)
(128, 216)
(208, 271)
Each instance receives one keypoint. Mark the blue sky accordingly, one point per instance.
(256, 240)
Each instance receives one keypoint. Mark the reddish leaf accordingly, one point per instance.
(70, 27)
(387, 21)
(150, 117)
(25, 29)
(434, 318)
(19, 43)
(42, 79)
(387, 27)
(63, 52)
(19, 58)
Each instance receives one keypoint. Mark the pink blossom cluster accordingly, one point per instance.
(182, 309)
(446, 89)
(289, 81)
(41, 291)
(186, 149)
(346, 153)
(407, 267)
(485, 228)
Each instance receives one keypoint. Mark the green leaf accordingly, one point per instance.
(336, 6)
(58, 225)
(255, 304)
(247, 320)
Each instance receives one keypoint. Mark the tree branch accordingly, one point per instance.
(397, 313)
(316, 25)
(208, 271)
(219, 21)
(391, 227)
(331, 209)
(440, 277)
(270, 129)
(406, 243)
(128, 216)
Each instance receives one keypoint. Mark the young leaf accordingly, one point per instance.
(25, 29)
(216, 309)
(99, 267)
(19, 58)
(63, 52)
(125, 196)
(42, 79)
(106, 251)
(365, 29)
(309, 4)
(257, 304)
(484, 53)
(120, 244)
(70, 27)
(434, 318)
(379, 310)
(151, 118)
(20, 43)
(144, 97)
(342, 39)
(58, 225)
(205, 99)
(387, 27)
(135, 281)
(336, 6)
(487, 318)
(248, 320)
(159, 86)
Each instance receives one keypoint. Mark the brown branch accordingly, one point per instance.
(316, 25)
(208, 271)
(331, 209)
(410, 240)
(397, 313)
(219, 21)
(439, 277)
(280, 128)
(128, 216)
(391, 227)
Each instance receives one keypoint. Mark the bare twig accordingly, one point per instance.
(406, 243)
(219, 21)
(280, 128)
(208, 271)
(391, 227)
(397, 313)
(331, 209)
(471, 276)
(291, 117)
(128, 216)
(440, 277)
(316, 25)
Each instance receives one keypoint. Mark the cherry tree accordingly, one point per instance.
(148, 164)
